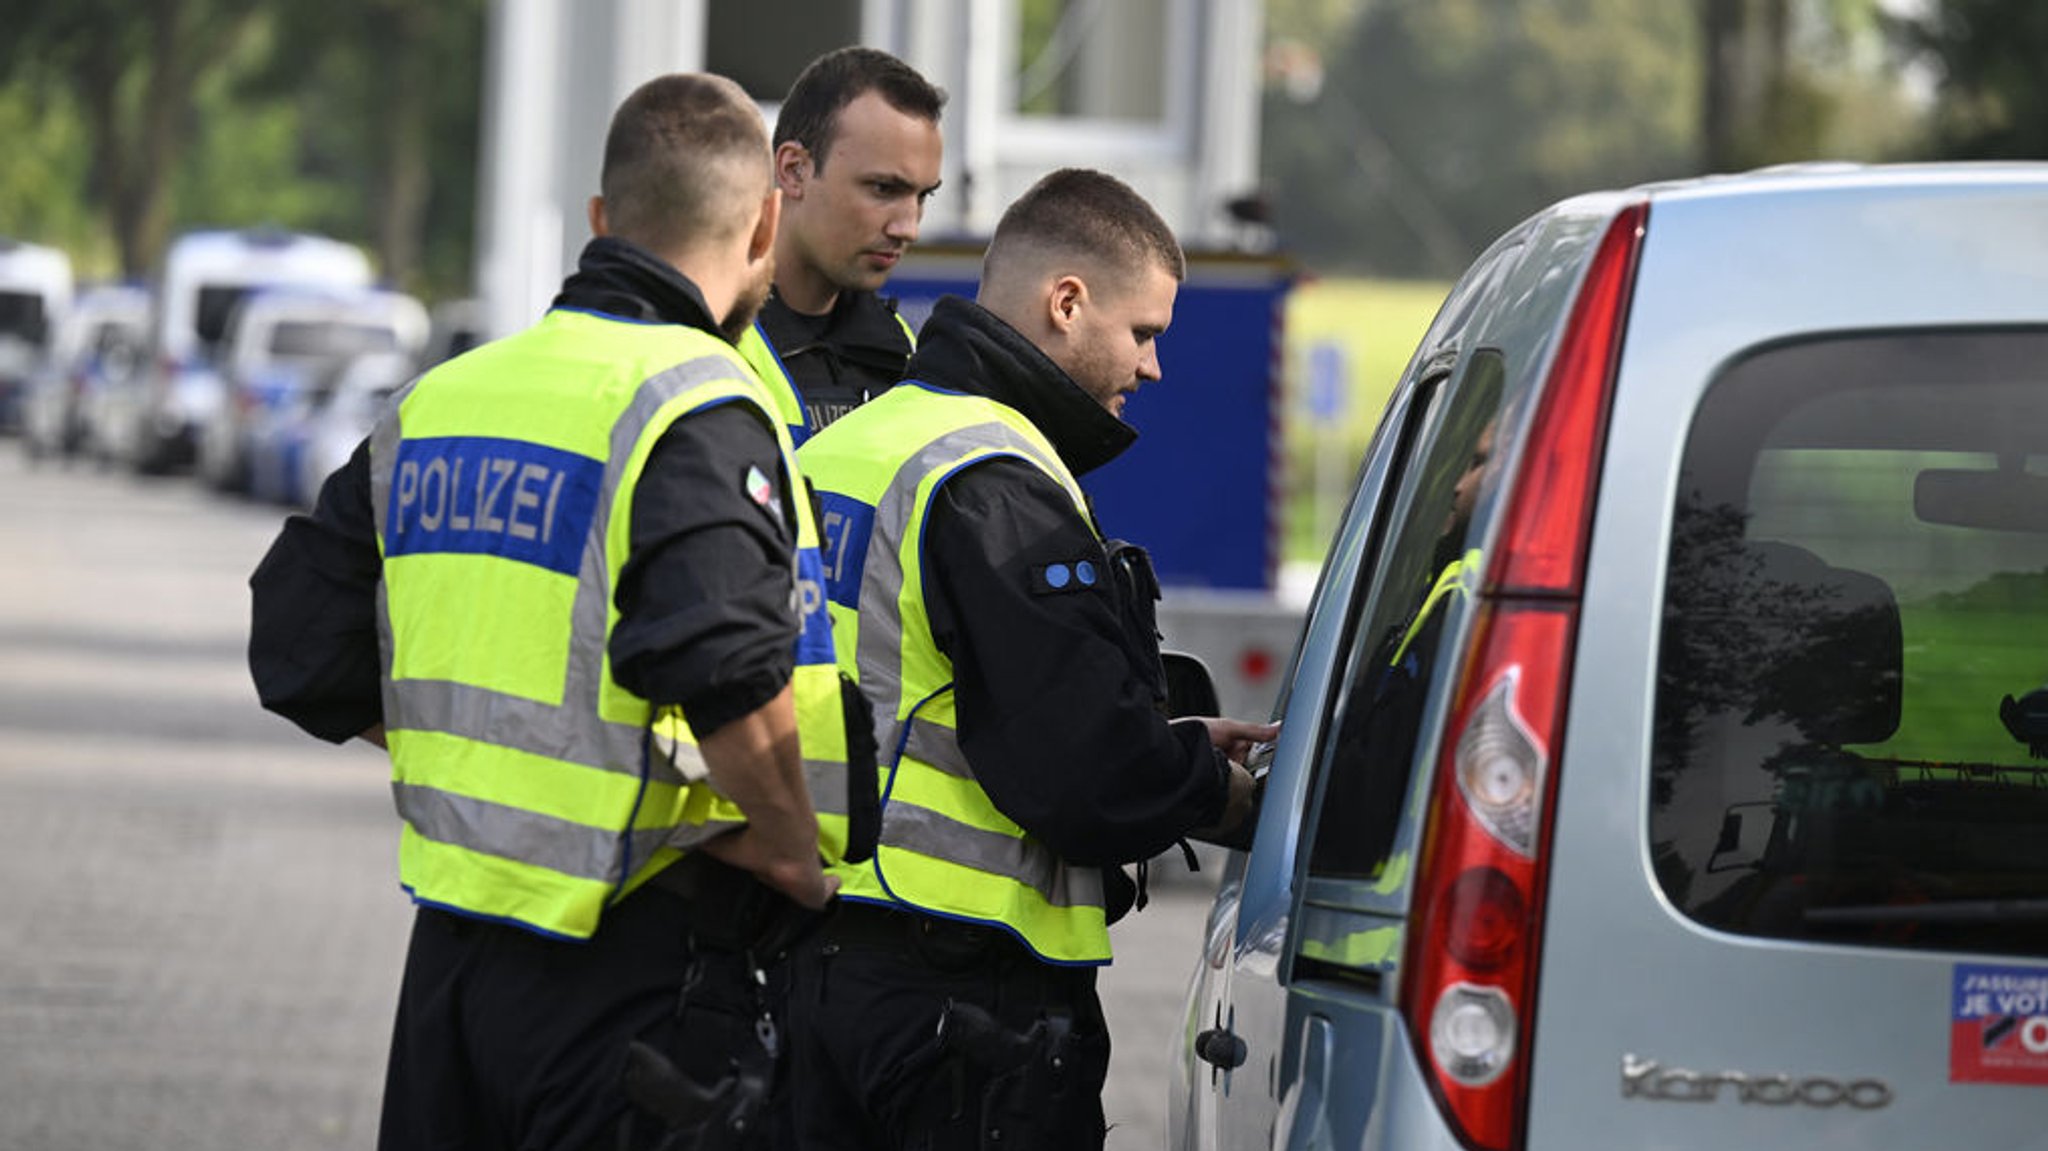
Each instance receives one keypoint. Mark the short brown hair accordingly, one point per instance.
(686, 161)
(1085, 216)
(810, 113)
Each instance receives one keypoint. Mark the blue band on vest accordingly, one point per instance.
(814, 642)
(479, 495)
(844, 527)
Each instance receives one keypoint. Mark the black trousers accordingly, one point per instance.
(649, 1035)
(915, 1033)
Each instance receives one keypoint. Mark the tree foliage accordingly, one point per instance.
(147, 117)
(1991, 62)
(1442, 122)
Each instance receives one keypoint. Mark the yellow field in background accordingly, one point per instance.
(1363, 332)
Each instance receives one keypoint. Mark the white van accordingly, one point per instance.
(97, 349)
(276, 349)
(204, 278)
(35, 291)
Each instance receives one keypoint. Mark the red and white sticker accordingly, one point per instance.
(1998, 1028)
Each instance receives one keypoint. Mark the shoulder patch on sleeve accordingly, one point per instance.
(760, 489)
(1079, 574)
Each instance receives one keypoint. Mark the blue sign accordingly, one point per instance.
(1328, 380)
(1198, 490)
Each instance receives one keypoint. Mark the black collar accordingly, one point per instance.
(861, 326)
(620, 278)
(965, 347)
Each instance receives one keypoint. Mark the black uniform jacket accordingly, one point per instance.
(1055, 714)
(841, 359)
(704, 597)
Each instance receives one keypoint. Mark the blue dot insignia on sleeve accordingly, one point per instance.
(1066, 577)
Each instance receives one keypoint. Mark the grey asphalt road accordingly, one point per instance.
(201, 929)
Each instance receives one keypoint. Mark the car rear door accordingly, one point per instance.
(1799, 891)
(1292, 1031)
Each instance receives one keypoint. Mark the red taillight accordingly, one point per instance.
(1472, 958)
(1471, 965)
(1547, 521)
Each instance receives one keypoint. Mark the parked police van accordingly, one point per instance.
(204, 278)
(35, 291)
(1662, 764)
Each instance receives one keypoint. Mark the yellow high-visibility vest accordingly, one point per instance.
(945, 849)
(533, 787)
(767, 364)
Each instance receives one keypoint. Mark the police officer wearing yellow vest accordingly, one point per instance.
(949, 1000)
(857, 154)
(572, 583)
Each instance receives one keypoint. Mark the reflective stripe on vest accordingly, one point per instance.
(502, 484)
(767, 364)
(944, 847)
(1460, 577)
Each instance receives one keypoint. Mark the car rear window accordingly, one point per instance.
(329, 338)
(1852, 682)
(21, 316)
(216, 304)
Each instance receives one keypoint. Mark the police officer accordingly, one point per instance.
(562, 582)
(857, 154)
(949, 1000)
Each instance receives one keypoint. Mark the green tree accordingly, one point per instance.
(40, 185)
(389, 92)
(357, 118)
(131, 67)
(1442, 122)
(1988, 56)
(1789, 80)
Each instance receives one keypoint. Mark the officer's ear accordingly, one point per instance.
(599, 224)
(1064, 301)
(762, 242)
(793, 167)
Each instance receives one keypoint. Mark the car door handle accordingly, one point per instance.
(1219, 1048)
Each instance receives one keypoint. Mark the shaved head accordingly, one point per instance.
(1076, 221)
(686, 163)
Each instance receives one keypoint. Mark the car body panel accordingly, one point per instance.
(280, 342)
(35, 292)
(204, 275)
(1727, 265)
(100, 345)
(1686, 995)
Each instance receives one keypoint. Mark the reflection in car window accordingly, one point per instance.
(1425, 577)
(326, 338)
(1852, 691)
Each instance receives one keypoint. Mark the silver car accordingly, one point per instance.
(1662, 761)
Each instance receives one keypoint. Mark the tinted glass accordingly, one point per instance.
(1851, 712)
(21, 316)
(210, 321)
(1402, 641)
(1087, 59)
(318, 339)
(764, 44)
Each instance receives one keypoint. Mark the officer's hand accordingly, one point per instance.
(1237, 807)
(800, 877)
(1235, 738)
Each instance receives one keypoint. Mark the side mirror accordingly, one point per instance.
(1190, 689)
